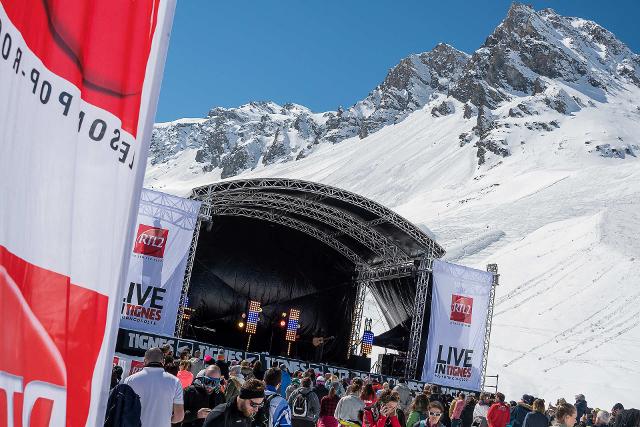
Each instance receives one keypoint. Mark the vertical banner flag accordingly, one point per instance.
(163, 235)
(79, 83)
(459, 305)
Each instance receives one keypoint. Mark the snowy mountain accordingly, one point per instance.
(523, 154)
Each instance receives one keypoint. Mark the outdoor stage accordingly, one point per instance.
(289, 244)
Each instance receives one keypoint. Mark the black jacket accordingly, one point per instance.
(196, 398)
(321, 391)
(581, 409)
(518, 413)
(466, 416)
(123, 407)
(227, 415)
(535, 419)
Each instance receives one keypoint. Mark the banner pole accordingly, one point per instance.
(493, 269)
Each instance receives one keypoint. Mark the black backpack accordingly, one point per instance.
(300, 407)
(123, 408)
(263, 416)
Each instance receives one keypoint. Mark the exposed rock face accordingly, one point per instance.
(526, 67)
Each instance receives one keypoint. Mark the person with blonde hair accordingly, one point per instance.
(537, 417)
(565, 415)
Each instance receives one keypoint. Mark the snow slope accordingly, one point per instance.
(561, 223)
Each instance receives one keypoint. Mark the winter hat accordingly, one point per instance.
(320, 379)
(295, 381)
(528, 399)
(208, 359)
(235, 370)
(579, 396)
(617, 406)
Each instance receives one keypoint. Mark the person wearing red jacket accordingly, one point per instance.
(384, 413)
(499, 413)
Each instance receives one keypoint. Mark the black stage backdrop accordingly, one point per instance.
(242, 259)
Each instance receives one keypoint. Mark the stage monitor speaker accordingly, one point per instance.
(386, 365)
(359, 363)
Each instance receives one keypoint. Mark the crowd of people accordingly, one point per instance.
(213, 393)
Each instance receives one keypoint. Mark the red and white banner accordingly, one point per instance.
(79, 83)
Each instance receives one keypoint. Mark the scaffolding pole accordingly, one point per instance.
(422, 288)
(493, 269)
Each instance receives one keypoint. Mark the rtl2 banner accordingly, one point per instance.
(459, 306)
(79, 83)
(164, 231)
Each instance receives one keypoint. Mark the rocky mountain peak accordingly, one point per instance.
(534, 62)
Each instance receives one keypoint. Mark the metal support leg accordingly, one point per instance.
(422, 285)
(187, 278)
(357, 318)
(491, 268)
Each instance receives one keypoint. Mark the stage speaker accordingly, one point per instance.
(386, 364)
(359, 363)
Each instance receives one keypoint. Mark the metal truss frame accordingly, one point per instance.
(187, 277)
(318, 192)
(493, 269)
(422, 289)
(311, 208)
(358, 308)
(327, 215)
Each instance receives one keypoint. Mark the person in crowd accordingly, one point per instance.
(565, 415)
(201, 396)
(405, 395)
(246, 370)
(328, 405)
(236, 379)
(196, 363)
(615, 410)
(239, 411)
(537, 416)
(521, 410)
(435, 394)
(418, 409)
(435, 412)
(320, 389)
(184, 374)
(208, 361)
(335, 382)
(368, 395)
(602, 419)
(499, 413)
(167, 350)
(286, 380)
(279, 413)
(481, 409)
(258, 372)
(350, 407)
(455, 410)
(305, 406)
(384, 412)
(295, 383)
(160, 393)
(466, 416)
(628, 418)
(171, 368)
(116, 376)
(185, 354)
(222, 364)
(581, 406)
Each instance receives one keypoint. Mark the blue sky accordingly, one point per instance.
(323, 54)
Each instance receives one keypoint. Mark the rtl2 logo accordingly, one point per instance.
(151, 241)
(461, 308)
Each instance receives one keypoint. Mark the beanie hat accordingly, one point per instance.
(320, 379)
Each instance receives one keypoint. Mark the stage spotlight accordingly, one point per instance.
(367, 342)
(241, 324)
(284, 314)
(292, 325)
(283, 323)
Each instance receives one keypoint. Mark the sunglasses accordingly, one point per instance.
(256, 405)
(435, 414)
